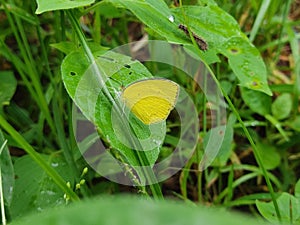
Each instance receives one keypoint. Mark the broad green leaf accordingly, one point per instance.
(34, 190)
(282, 106)
(246, 63)
(131, 210)
(258, 102)
(8, 87)
(45, 5)
(215, 26)
(84, 88)
(289, 208)
(270, 156)
(7, 171)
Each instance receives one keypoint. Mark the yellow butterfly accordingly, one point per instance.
(151, 100)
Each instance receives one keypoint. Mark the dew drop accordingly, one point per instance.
(171, 18)
(157, 142)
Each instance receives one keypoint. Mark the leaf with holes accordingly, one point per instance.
(83, 85)
(246, 63)
(216, 27)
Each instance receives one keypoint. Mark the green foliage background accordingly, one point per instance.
(253, 55)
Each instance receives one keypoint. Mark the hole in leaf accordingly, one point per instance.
(72, 73)
(130, 73)
(127, 66)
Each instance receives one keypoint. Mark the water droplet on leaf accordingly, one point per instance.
(171, 18)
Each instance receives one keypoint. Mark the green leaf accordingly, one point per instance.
(7, 170)
(270, 156)
(246, 63)
(258, 102)
(215, 26)
(131, 210)
(8, 87)
(64, 46)
(45, 5)
(85, 90)
(282, 106)
(289, 208)
(34, 190)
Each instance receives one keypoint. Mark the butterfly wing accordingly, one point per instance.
(151, 100)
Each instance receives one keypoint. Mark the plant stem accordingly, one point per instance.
(38, 159)
(141, 157)
(254, 147)
(26, 53)
(259, 19)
